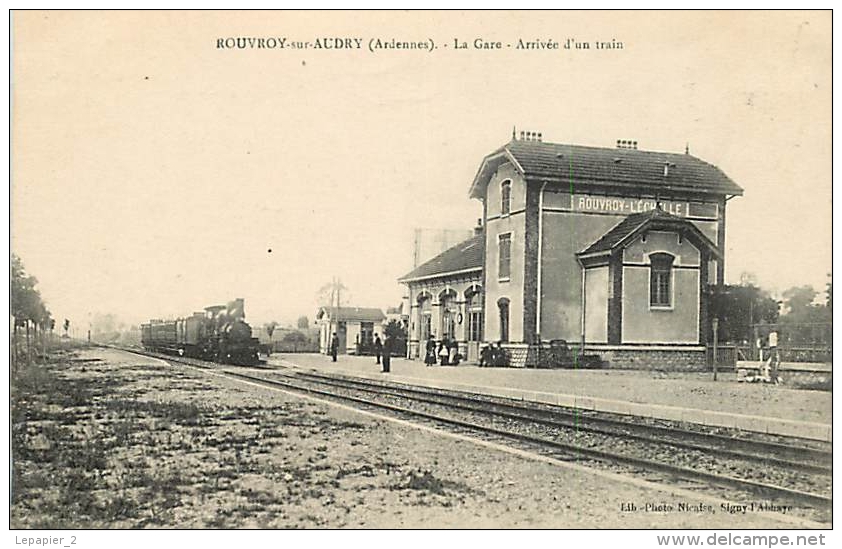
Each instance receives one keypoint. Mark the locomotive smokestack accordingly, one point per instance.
(236, 308)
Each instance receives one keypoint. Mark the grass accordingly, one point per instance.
(96, 446)
(180, 413)
(63, 474)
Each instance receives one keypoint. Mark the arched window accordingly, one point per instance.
(425, 303)
(449, 310)
(473, 304)
(506, 197)
(660, 280)
(504, 256)
(503, 307)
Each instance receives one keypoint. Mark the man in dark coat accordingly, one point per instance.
(378, 347)
(334, 346)
(388, 343)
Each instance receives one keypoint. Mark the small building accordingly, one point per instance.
(610, 249)
(354, 326)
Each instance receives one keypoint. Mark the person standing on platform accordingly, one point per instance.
(498, 355)
(334, 346)
(451, 353)
(443, 352)
(388, 343)
(485, 356)
(378, 347)
(430, 356)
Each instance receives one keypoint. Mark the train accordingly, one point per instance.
(219, 334)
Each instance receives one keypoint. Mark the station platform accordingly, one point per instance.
(679, 396)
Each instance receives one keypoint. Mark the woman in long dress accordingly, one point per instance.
(430, 356)
(443, 352)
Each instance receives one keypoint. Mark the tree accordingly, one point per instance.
(104, 323)
(26, 306)
(270, 328)
(738, 307)
(296, 339)
(748, 279)
(25, 299)
(799, 302)
(332, 294)
(303, 323)
(395, 329)
(805, 322)
(801, 308)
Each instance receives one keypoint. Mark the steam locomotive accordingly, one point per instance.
(219, 334)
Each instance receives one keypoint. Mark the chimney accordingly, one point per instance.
(478, 228)
(531, 136)
(626, 144)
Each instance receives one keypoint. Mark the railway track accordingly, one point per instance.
(801, 480)
(801, 458)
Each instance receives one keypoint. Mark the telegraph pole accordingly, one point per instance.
(332, 313)
(715, 344)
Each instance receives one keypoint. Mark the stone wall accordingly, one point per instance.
(686, 360)
(677, 359)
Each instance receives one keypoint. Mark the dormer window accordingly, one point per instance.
(506, 197)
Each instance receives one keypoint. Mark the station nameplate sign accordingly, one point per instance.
(619, 205)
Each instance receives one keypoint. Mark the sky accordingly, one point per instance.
(153, 172)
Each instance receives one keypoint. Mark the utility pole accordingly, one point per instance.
(338, 285)
(715, 344)
(750, 319)
(333, 311)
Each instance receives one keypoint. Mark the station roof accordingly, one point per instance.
(351, 314)
(465, 257)
(616, 167)
(625, 231)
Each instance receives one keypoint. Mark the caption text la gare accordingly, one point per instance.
(536, 44)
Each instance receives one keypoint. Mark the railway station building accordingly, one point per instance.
(611, 250)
